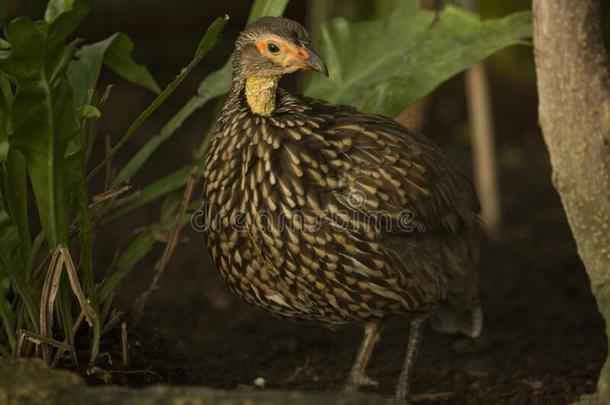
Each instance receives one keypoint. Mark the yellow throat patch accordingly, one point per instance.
(260, 93)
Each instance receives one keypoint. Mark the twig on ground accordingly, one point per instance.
(23, 335)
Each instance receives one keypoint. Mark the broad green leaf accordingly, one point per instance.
(43, 119)
(4, 10)
(6, 103)
(62, 17)
(214, 85)
(115, 50)
(210, 38)
(9, 236)
(118, 58)
(12, 267)
(385, 65)
(18, 199)
(57, 7)
(85, 69)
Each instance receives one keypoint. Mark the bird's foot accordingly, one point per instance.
(354, 383)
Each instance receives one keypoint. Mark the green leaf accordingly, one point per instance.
(33, 255)
(43, 119)
(88, 112)
(85, 236)
(139, 247)
(63, 16)
(211, 36)
(6, 104)
(214, 85)
(9, 236)
(209, 39)
(12, 267)
(4, 10)
(118, 58)
(57, 7)
(217, 83)
(7, 316)
(115, 51)
(261, 8)
(386, 65)
(153, 191)
(17, 199)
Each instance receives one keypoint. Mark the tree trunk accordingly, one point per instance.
(574, 91)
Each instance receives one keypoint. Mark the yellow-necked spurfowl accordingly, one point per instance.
(323, 213)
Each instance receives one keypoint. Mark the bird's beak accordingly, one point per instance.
(316, 63)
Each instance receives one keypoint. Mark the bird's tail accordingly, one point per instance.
(453, 319)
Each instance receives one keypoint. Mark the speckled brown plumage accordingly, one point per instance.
(323, 213)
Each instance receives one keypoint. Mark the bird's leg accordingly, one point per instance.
(357, 375)
(403, 387)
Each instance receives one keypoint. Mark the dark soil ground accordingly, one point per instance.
(543, 341)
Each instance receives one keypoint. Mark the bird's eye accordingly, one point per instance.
(273, 48)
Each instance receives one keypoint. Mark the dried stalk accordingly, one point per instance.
(124, 343)
(481, 119)
(161, 264)
(48, 295)
(110, 194)
(38, 340)
(50, 289)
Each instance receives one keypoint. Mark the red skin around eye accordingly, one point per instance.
(295, 56)
(284, 46)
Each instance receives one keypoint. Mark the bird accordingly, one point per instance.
(323, 213)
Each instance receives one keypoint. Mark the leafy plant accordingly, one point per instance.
(49, 99)
(385, 65)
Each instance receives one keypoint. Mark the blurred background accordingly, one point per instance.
(543, 341)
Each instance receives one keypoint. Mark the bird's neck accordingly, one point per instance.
(260, 93)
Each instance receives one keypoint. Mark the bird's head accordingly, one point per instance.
(273, 47)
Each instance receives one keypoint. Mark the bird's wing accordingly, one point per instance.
(390, 172)
(423, 206)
